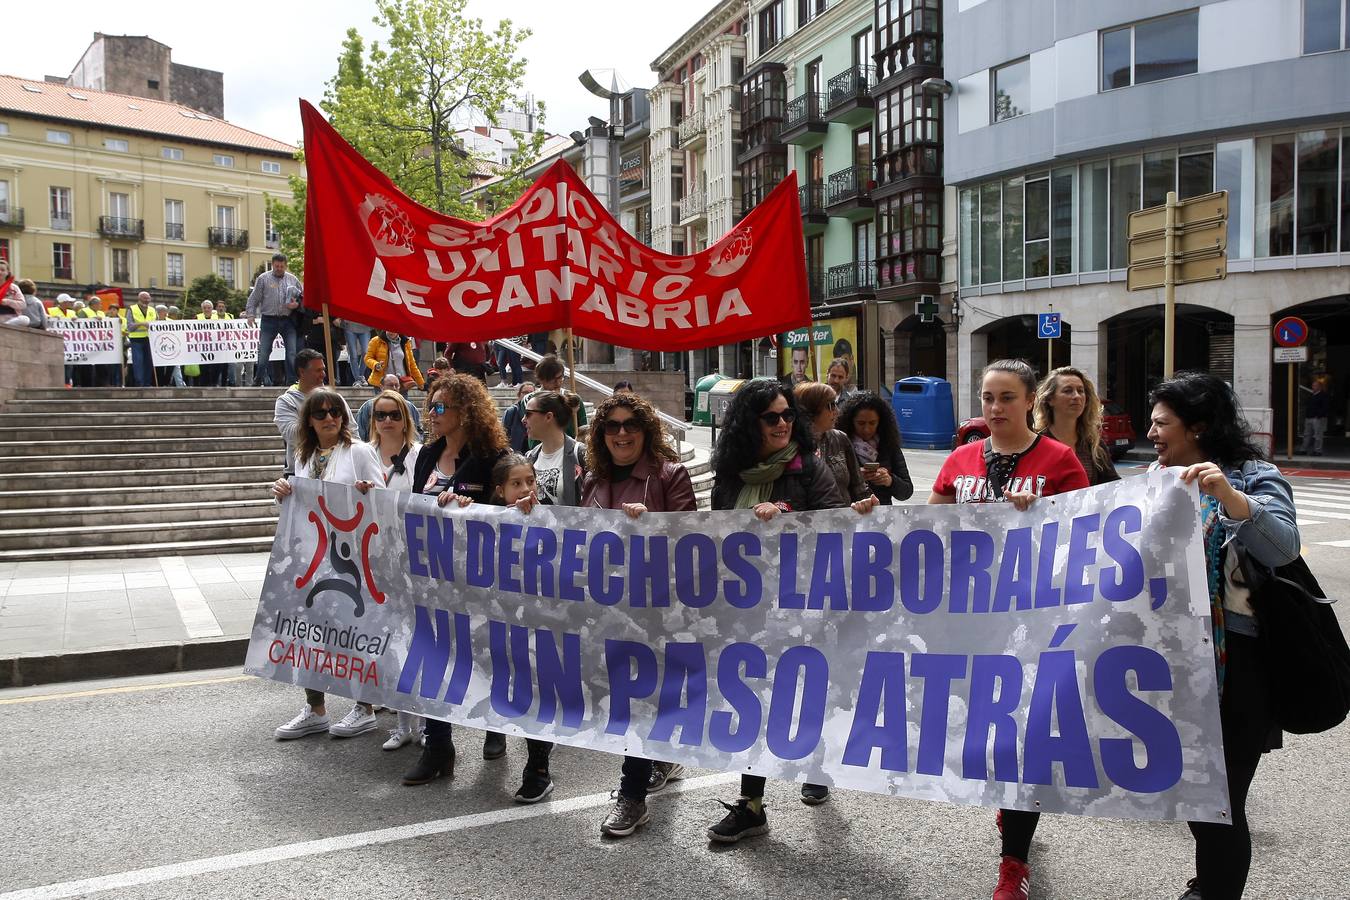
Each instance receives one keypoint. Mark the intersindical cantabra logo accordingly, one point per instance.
(348, 558)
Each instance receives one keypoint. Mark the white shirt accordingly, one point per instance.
(348, 465)
(548, 474)
(404, 481)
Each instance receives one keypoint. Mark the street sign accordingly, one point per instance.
(1291, 354)
(1191, 212)
(1204, 240)
(1047, 325)
(926, 308)
(1186, 271)
(1291, 331)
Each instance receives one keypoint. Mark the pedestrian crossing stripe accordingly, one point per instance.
(1333, 543)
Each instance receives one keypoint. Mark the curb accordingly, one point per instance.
(149, 659)
(1326, 468)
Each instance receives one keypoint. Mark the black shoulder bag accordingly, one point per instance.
(1305, 650)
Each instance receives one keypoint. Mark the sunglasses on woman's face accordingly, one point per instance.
(388, 415)
(773, 418)
(436, 409)
(614, 426)
(326, 413)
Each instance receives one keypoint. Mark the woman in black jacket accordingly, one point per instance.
(466, 440)
(869, 423)
(765, 461)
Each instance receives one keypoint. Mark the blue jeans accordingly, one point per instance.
(268, 329)
(509, 358)
(141, 365)
(357, 344)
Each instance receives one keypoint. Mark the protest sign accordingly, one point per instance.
(204, 342)
(555, 259)
(89, 342)
(1057, 659)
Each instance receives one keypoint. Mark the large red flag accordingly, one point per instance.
(555, 259)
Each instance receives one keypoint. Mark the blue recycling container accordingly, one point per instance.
(923, 410)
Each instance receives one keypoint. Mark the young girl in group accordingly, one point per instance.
(1017, 465)
(513, 484)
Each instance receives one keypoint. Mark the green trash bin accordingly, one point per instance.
(702, 413)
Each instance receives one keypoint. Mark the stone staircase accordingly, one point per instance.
(92, 473)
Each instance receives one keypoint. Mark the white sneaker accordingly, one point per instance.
(306, 722)
(398, 738)
(358, 721)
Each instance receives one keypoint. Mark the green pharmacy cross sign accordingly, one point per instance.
(926, 308)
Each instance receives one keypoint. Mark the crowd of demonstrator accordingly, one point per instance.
(788, 448)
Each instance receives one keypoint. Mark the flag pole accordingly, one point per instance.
(328, 345)
(572, 372)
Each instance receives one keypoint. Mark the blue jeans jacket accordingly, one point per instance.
(1271, 535)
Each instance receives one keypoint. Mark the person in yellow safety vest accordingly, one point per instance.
(63, 308)
(213, 374)
(139, 316)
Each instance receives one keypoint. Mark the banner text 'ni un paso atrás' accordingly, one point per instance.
(1057, 659)
(555, 259)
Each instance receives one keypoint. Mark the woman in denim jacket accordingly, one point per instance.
(1247, 504)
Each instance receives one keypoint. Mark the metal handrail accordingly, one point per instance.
(675, 426)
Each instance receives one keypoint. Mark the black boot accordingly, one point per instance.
(494, 745)
(434, 763)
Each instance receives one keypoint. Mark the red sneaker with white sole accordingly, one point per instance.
(1014, 880)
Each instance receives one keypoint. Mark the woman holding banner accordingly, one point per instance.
(869, 424)
(395, 443)
(632, 467)
(765, 461)
(1247, 509)
(819, 405)
(1068, 410)
(1017, 465)
(324, 451)
(467, 440)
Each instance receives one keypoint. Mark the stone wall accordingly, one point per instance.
(665, 390)
(201, 89)
(30, 358)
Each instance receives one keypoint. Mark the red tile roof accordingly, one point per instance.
(123, 112)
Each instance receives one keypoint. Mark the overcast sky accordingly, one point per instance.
(273, 52)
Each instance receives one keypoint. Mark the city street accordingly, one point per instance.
(168, 785)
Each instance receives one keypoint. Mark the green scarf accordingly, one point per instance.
(759, 478)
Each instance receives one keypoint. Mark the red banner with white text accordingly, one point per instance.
(555, 259)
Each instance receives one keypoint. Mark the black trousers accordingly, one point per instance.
(1223, 853)
(752, 786)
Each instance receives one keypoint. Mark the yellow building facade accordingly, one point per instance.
(103, 189)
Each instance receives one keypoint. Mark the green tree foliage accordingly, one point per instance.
(400, 103)
(214, 288)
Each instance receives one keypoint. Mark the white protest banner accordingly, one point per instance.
(89, 342)
(181, 342)
(1057, 659)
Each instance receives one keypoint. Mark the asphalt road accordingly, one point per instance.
(171, 786)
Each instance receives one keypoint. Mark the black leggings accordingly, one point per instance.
(1223, 853)
(752, 786)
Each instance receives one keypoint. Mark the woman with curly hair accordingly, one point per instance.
(818, 404)
(467, 439)
(1068, 410)
(868, 422)
(765, 461)
(324, 451)
(1246, 511)
(633, 468)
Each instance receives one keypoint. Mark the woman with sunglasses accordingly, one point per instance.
(818, 404)
(466, 440)
(394, 440)
(324, 451)
(766, 461)
(632, 468)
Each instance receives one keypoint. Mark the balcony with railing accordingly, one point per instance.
(850, 281)
(63, 273)
(811, 196)
(848, 96)
(271, 239)
(692, 131)
(173, 231)
(121, 276)
(11, 217)
(804, 120)
(231, 238)
(694, 206)
(848, 193)
(61, 222)
(121, 228)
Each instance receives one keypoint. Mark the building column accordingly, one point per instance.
(1251, 379)
(1087, 351)
(889, 371)
(974, 350)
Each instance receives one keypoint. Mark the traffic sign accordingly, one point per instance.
(1291, 331)
(1291, 354)
(1186, 271)
(1047, 325)
(1197, 241)
(1190, 213)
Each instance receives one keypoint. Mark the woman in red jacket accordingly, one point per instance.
(632, 468)
(1017, 465)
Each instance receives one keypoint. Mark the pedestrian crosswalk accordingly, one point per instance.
(1323, 507)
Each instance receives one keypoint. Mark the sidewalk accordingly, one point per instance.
(103, 618)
